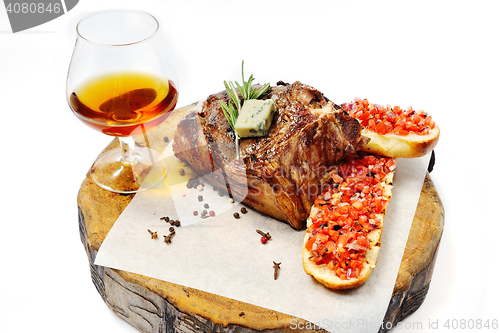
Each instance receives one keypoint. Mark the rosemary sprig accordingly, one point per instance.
(247, 92)
(232, 108)
(229, 109)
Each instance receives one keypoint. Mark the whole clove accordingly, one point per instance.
(264, 234)
(154, 235)
(276, 269)
(167, 239)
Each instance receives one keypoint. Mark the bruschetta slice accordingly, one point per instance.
(342, 239)
(393, 131)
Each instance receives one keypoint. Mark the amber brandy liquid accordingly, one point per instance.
(124, 104)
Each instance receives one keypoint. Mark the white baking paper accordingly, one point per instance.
(224, 255)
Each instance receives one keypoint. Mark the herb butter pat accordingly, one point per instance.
(255, 118)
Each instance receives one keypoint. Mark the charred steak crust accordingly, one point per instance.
(281, 173)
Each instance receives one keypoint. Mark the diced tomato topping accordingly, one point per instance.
(328, 248)
(363, 241)
(342, 240)
(321, 238)
(331, 265)
(357, 205)
(336, 178)
(384, 120)
(348, 211)
(310, 242)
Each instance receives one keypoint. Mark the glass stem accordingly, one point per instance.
(128, 144)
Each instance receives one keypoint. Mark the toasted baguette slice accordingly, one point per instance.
(324, 220)
(408, 146)
(394, 132)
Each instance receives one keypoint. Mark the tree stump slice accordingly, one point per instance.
(155, 306)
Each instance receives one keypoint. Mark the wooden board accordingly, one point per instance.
(156, 306)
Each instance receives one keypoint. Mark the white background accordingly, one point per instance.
(440, 56)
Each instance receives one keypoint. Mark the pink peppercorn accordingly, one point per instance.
(212, 213)
(195, 213)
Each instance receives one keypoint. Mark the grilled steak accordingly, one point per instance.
(279, 174)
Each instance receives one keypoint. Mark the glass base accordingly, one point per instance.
(111, 173)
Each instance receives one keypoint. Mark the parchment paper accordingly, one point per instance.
(224, 255)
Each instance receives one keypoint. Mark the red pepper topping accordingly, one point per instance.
(348, 211)
(385, 120)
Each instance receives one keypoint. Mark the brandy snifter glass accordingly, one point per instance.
(120, 83)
